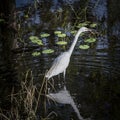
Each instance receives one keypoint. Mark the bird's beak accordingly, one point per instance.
(92, 31)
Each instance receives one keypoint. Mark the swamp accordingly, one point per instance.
(33, 33)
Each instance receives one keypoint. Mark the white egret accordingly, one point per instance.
(62, 61)
(64, 97)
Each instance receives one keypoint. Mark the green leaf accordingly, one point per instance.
(90, 40)
(61, 43)
(35, 39)
(73, 31)
(26, 16)
(36, 53)
(93, 25)
(57, 32)
(82, 25)
(47, 51)
(43, 35)
(2, 20)
(84, 47)
(62, 35)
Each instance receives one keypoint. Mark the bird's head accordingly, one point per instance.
(85, 29)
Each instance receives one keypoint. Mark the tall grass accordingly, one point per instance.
(25, 102)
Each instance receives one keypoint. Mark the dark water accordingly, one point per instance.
(92, 78)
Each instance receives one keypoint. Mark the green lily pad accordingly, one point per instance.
(84, 47)
(2, 20)
(39, 42)
(57, 32)
(93, 25)
(61, 43)
(26, 16)
(62, 35)
(47, 51)
(35, 39)
(87, 22)
(73, 31)
(43, 35)
(90, 40)
(82, 25)
(36, 53)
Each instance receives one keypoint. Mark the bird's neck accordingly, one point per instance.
(74, 42)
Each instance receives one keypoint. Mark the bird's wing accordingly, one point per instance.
(59, 65)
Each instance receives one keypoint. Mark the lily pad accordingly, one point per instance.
(84, 47)
(90, 40)
(62, 35)
(35, 39)
(93, 25)
(26, 16)
(57, 32)
(2, 20)
(82, 25)
(36, 53)
(47, 51)
(43, 35)
(61, 43)
(73, 31)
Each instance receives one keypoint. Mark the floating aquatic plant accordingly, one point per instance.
(82, 25)
(62, 35)
(35, 39)
(2, 20)
(26, 16)
(57, 32)
(47, 51)
(43, 35)
(90, 40)
(61, 43)
(93, 25)
(73, 31)
(36, 53)
(84, 47)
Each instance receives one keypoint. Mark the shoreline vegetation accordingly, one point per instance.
(26, 102)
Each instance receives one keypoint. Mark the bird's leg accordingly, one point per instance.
(53, 81)
(64, 74)
(59, 76)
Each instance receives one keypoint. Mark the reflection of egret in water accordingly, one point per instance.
(62, 61)
(64, 97)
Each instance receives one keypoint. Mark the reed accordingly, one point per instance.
(25, 102)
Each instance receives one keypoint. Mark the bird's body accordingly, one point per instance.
(59, 65)
(62, 61)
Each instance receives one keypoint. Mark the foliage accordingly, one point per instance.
(36, 53)
(44, 35)
(57, 32)
(2, 20)
(90, 40)
(62, 35)
(84, 47)
(47, 51)
(35, 39)
(61, 43)
(93, 25)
